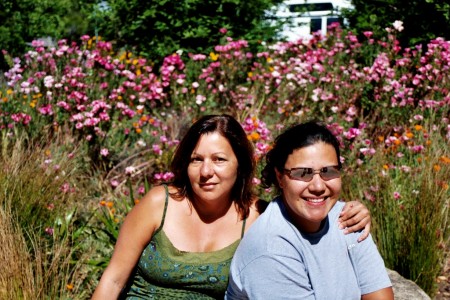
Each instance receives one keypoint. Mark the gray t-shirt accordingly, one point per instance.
(276, 261)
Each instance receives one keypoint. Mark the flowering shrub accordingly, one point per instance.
(384, 104)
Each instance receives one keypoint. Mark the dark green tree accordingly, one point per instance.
(23, 21)
(423, 20)
(161, 27)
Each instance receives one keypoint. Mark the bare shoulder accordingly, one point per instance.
(257, 208)
(147, 214)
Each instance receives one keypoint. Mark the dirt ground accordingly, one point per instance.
(444, 283)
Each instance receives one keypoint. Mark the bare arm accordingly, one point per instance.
(355, 216)
(383, 294)
(134, 235)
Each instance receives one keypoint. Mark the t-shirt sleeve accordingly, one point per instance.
(270, 277)
(369, 266)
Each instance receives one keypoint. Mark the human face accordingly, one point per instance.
(213, 168)
(308, 203)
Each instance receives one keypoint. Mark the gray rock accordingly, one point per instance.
(405, 289)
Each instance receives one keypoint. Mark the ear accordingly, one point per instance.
(279, 178)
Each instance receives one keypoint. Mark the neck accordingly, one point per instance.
(210, 212)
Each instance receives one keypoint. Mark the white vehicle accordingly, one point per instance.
(305, 17)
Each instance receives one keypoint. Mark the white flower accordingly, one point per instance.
(141, 143)
(398, 25)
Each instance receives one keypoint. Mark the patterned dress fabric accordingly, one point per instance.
(164, 272)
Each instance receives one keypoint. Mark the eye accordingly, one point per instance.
(305, 171)
(196, 159)
(220, 159)
(325, 170)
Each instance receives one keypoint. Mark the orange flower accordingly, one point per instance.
(255, 136)
(444, 159)
(436, 168)
(103, 203)
(69, 286)
(409, 135)
(138, 130)
(428, 143)
(136, 201)
(109, 204)
(386, 167)
(380, 138)
(397, 142)
(418, 127)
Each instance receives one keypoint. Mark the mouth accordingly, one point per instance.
(316, 200)
(209, 184)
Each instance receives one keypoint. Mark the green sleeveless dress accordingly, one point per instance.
(164, 272)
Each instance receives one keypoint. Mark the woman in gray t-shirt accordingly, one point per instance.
(295, 250)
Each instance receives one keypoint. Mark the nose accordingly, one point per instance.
(317, 184)
(206, 169)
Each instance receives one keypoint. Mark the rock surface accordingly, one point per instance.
(405, 289)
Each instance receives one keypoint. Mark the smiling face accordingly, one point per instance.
(213, 168)
(308, 203)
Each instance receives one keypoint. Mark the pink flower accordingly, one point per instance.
(49, 230)
(130, 170)
(141, 190)
(397, 195)
(104, 152)
(65, 188)
(46, 110)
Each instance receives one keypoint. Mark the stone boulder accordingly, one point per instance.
(405, 289)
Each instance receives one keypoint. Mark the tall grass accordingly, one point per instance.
(409, 200)
(42, 238)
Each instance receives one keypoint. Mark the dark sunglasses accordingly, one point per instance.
(306, 174)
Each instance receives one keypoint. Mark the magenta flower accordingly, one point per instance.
(49, 231)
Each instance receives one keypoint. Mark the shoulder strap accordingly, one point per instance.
(165, 207)
(243, 228)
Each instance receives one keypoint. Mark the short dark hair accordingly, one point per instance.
(228, 127)
(295, 137)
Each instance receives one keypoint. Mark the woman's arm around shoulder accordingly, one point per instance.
(135, 233)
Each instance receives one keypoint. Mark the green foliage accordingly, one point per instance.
(423, 20)
(44, 240)
(408, 197)
(158, 28)
(26, 20)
